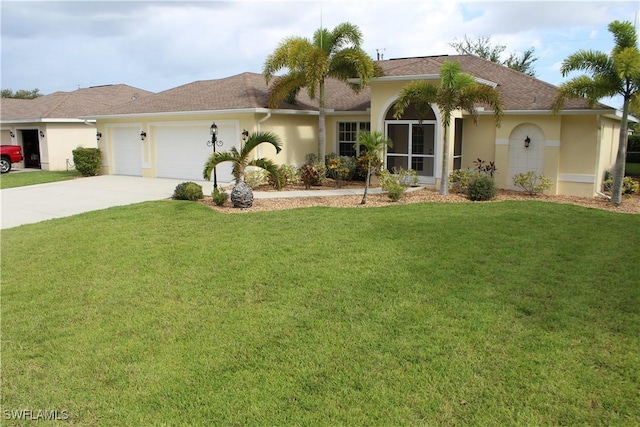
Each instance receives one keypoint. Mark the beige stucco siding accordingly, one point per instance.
(299, 136)
(56, 148)
(578, 155)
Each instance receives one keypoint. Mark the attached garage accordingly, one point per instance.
(181, 150)
(126, 151)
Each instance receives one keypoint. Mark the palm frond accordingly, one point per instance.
(590, 61)
(475, 94)
(353, 63)
(624, 35)
(271, 168)
(215, 159)
(285, 87)
(258, 138)
(590, 88)
(345, 34)
(418, 92)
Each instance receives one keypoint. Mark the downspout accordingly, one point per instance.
(262, 120)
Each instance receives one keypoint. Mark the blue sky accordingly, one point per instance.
(158, 45)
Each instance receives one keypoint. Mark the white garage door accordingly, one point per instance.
(127, 151)
(182, 151)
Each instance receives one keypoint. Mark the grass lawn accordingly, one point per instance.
(20, 179)
(632, 169)
(167, 313)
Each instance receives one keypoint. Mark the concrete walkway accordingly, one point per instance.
(35, 203)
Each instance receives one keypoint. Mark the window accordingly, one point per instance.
(348, 135)
(457, 145)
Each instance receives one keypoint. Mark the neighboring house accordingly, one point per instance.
(166, 134)
(48, 128)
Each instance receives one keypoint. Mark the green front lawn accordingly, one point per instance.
(20, 179)
(168, 313)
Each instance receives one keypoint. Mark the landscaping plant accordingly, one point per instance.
(396, 183)
(532, 182)
(188, 191)
(375, 143)
(219, 196)
(87, 160)
(481, 188)
(242, 194)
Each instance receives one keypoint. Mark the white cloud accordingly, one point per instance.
(157, 45)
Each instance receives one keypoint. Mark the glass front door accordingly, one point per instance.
(413, 148)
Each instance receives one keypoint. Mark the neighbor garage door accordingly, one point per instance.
(127, 151)
(182, 151)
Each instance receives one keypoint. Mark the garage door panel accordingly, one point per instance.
(127, 151)
(181, 153)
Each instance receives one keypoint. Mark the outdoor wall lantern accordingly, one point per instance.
(143, 135)
(41, 134)
(527, 142)
(245, 135)
(98, 135)
(11, 134)
(213, 130)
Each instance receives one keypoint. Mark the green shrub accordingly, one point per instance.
(531, 182)
(629, 185)
(255, 178)
(459, 180)
(313, 174)
(289, 173)
(396, 183)
(188, 191)
(481, 188)
(219, 197)
(87, 160)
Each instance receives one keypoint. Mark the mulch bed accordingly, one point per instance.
(629, 205)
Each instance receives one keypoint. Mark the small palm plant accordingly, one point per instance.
(373, 142)
(242, 194)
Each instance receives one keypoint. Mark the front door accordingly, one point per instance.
(413, 148)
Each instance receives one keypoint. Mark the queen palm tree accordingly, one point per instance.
(242, 194)
(457, 90)
(309, 63)
(373, 142)
(610, 75)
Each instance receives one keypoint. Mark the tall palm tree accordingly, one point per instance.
(457, 90)
(309, 63)
(373, 142)
(242, 195)
(610, 75)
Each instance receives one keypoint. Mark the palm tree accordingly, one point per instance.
(242, 195)
(457, 90)
(373, 142)
(309, 63)
(610, 75)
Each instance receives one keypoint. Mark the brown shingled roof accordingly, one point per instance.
(242, 91)
(519, 91)
(69, 105)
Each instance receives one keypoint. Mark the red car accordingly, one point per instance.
(9, 154)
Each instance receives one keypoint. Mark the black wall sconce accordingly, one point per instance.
(245, 135)
(527, 142)
(41, 134)
(11, 134)
(98, 135)
(143, 135)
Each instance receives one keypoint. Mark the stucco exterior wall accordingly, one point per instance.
(56, 148)
(578, 155)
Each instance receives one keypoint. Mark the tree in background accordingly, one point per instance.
(483, 48)
(617, 74)
(309, 63)
(457, 90)
(21, 94)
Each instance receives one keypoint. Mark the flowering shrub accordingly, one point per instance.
(531, 182)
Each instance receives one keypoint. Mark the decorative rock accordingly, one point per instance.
(242, 196)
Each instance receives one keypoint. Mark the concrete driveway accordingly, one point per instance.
(35, 203)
